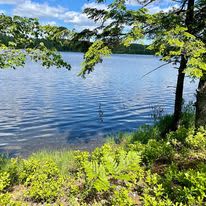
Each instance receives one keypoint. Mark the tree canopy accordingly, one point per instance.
(21, 39)
(167, 30)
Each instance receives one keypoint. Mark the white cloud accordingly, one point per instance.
(132, 2)
(32, 9)
(51, 14)
(156, 8)
(44, 11)
(95, 5)
(79, 20)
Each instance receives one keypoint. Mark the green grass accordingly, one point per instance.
(64, 159)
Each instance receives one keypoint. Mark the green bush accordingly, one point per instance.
(4, 180)
(188, 115)
(14, 168)
(180, 135)
(197, 140)
(6, 200)
(187, 186)
(4, 160)
(153, 192)
(64, 159)
(157, 150)
(42, 179)
(164, 124)
(122, 197)
(107, 168)
(145, 133)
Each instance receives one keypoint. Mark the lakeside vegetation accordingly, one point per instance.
(139, 168)
(82, 46)
(163, 164)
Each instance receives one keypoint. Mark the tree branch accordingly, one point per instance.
(155, 69)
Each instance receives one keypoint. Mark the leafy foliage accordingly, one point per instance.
(42, 179)
(93, 56)
(173, 34)
(4, 181)
(21, 39)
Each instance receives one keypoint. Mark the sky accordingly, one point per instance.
(66, 13)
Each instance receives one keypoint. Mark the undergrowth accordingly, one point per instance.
(143, 168)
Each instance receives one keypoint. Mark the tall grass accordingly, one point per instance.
(64, 159)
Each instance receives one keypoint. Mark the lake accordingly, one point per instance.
(54, 108)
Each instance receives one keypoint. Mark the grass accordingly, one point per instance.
(64, 159)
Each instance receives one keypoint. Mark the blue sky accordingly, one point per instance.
(64, 12)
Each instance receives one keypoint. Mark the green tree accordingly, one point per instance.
(22, 38)
(178, 37)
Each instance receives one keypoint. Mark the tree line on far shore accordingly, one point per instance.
(82, 46)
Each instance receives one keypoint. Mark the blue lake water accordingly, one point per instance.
(54, 108)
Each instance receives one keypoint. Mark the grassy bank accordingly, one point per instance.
(141, 168)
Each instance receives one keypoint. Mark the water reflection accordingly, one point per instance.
(101, 113)
(55, 108)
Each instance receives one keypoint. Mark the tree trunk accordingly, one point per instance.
(181, 75)
(179, 94)
(200, 119)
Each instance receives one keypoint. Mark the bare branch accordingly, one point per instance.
(155, 69)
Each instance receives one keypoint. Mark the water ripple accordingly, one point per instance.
(55, 108)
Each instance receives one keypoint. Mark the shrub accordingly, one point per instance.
(6, 200)
(187, 186)
(4, 160)
(197, 140)
(108, 168)
(42, 179)
(122, 197)
(153, 192)
(157, 150)
(4, 180)
(64, 159)
(180, 134)
(14, 168)
(44, 189)
(114, 174)
(188, 115)
(164, 124)
(145, 133)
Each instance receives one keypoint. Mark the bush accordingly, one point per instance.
(4, 180)
(164, 124)
(187, 186)
(109, 168)
(197, 140)
(153, 192)
(180, 135)
(63, 159)
(145, 133)
(157, 151)
(6, 200)
(145, 169)
(188, 115)
(42, 179)
(122, 197)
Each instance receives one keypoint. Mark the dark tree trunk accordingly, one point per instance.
(201, 103)
(181, 75)
(179, 94)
